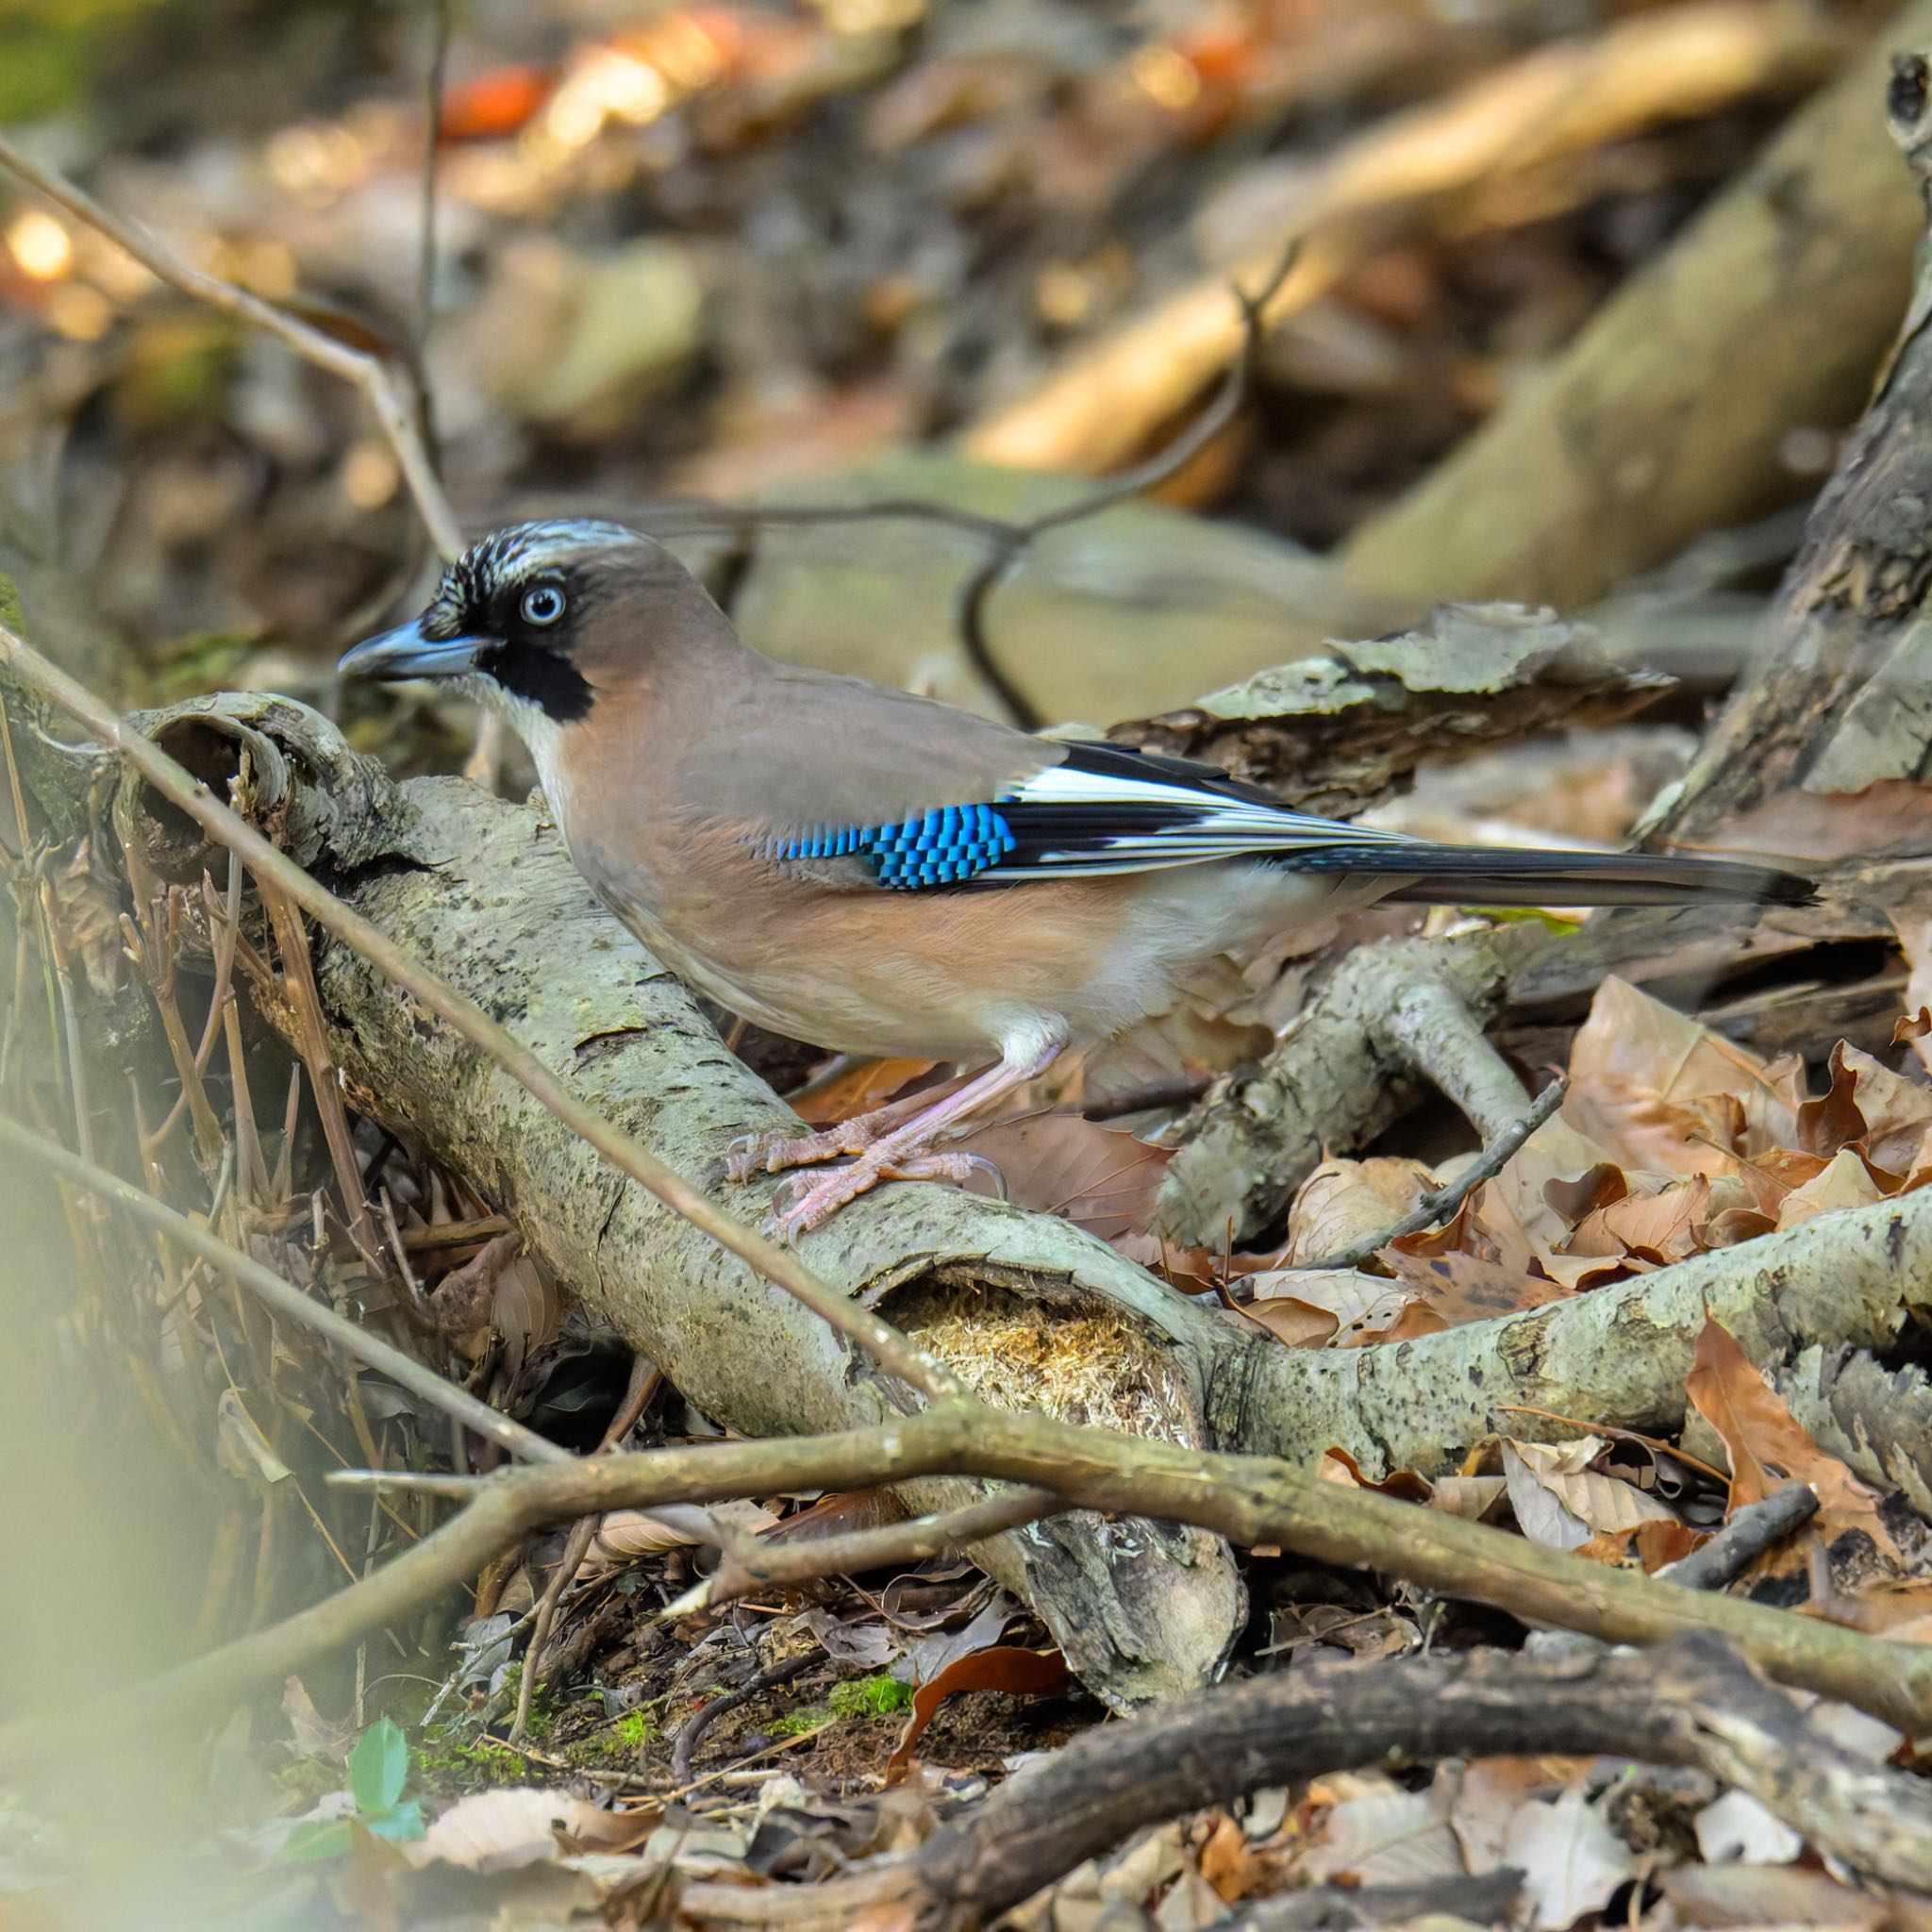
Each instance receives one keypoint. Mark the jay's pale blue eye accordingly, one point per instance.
(543, 605)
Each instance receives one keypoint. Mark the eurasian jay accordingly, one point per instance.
(880, 874)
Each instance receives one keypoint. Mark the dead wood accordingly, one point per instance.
(1345, 728)
(1251, 1500)
(1663, 418)
(1834, 698)
(1875, 1420)
(1564, 98)
(1693, 1704)
(485, 892)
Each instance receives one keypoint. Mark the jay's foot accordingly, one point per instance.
(756, 1153)
(808, 1200)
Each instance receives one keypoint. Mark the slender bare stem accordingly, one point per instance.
(283, 1296)
(368, 373)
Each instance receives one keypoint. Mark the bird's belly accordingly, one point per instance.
(958, 975)
(836, 988)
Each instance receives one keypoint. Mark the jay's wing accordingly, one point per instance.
(1101, 808)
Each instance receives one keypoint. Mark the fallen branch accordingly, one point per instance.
(1752, 1530)
(1141, 1615)
(1103, 402)
(1249, 1499)
(188, 794)
(1692, 1703)
(1650, 428)
(1618, 1354)
(1339, 1075)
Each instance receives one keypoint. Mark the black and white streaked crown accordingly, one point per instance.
(510, 555)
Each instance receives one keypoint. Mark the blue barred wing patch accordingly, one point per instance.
(944, 847)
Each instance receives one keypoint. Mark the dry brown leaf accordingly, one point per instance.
(1572, 1861)
(1656, 1090)
(1886, 1115)
(1458, 1288)
(1017, 1671)
(1373, 1832)
(1469, 1496)
(83, 910)
(1845, 1181)
(1659, 1226)
(1344, 1202)
(1890, 819)
(1295, 1323)
(1649, 1545)
(1229, 1863)
(1915, 940)
(1767, 1446)
(1601, 1503)
(854, 1089)
(625, 1535)
(526, 1309)
(1099, 1178)
(1337, 1465)
(517, 1824)
(1309, 1306)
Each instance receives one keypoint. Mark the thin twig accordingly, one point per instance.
(1441, 1204)
(1009, 538)
(706, 1715)
(1745, 1537)
(1015, 540)
(305, 997)
(283, 1296)
(433, 76)
(893, 1350)
(754, 1562)
(581, 1531)
(368, 373)
(645, 1377)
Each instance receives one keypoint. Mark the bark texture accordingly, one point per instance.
(1839, 693)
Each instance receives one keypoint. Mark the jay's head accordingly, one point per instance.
(540, 618)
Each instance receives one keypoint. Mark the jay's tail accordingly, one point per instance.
(1483, 875)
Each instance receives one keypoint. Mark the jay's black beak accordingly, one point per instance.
(405, 651)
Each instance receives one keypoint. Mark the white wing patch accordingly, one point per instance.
(1161, 821)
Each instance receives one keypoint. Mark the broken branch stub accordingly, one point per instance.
(1340, 731)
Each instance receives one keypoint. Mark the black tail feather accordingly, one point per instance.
(1484, 876)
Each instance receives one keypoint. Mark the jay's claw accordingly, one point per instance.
(754, 1154)
(805, 1202)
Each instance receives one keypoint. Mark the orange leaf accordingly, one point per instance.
(1009, 1667)
(1766, 1445)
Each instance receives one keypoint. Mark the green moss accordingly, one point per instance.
(870, 1697)
(793, 1723)
(9, 605)
(633, 1730)
(453, 1764)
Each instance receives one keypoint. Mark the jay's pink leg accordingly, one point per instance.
(907, 1152)
(752, 1153)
